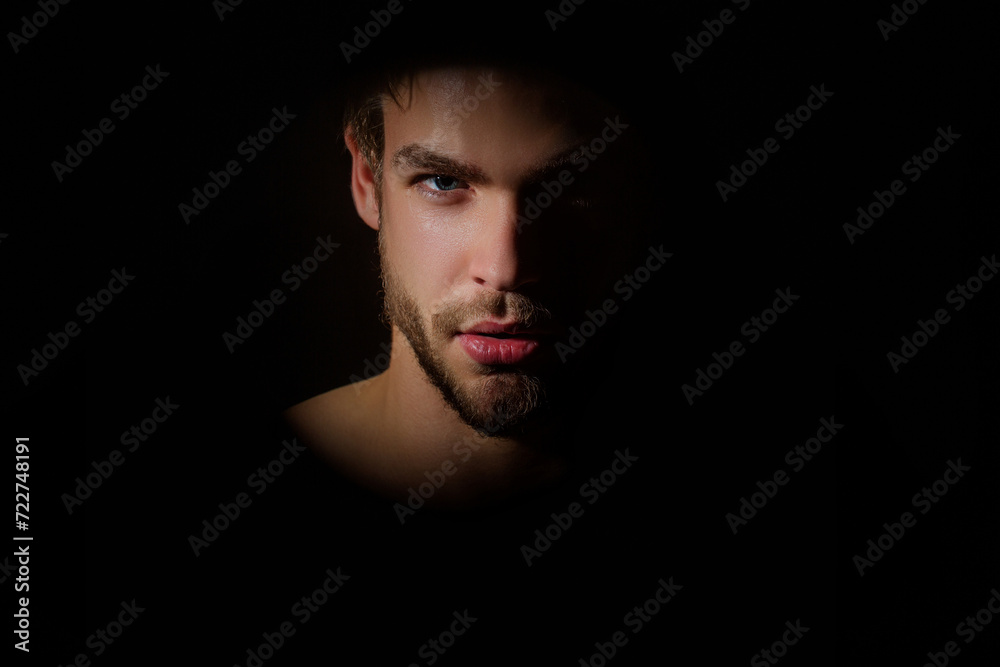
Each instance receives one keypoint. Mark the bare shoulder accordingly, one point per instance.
(337, 421)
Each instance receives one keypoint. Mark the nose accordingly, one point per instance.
(501, 257)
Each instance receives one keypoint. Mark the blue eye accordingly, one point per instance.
(443, 183)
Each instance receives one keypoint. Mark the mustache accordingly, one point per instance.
(524, 310)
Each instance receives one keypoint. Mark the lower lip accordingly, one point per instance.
(492, 351)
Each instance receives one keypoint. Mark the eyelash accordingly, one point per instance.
(584, 204)
(428, 192)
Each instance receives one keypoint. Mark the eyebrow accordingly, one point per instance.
(416, 157)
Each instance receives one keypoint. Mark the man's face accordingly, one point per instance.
(481, 296)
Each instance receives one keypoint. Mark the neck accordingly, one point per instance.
(417, 422)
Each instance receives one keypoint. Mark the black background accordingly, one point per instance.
(666, 516)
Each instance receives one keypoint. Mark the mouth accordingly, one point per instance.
(496, 343)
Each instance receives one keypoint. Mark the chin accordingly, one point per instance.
(503, 404)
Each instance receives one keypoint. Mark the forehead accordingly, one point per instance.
(484, 115)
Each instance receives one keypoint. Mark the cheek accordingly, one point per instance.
(426, 246)
(442, 229)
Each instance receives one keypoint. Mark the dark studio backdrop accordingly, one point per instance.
(113, 533)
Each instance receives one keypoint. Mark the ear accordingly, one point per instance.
(362, 184)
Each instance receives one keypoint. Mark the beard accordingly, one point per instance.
(503, 401)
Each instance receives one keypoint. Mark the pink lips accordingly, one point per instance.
(513, 345)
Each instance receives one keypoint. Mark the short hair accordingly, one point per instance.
(364, 118)
(516, 41)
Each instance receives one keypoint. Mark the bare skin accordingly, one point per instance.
(445, 246)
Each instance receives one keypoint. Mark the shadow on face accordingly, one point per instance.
(504, 198)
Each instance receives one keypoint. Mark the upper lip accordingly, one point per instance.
(509, 328)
